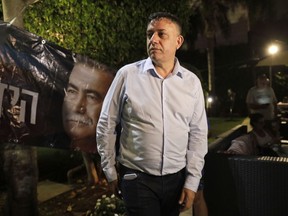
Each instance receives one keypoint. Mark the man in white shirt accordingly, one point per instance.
(161, 108)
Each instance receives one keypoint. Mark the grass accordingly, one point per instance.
(218, 126)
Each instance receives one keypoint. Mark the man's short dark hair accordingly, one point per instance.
(262, 76)
(167, 15)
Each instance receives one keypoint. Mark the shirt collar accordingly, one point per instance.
(149, 67)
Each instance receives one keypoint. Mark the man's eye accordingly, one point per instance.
(93, 97)
(71, 91)
(161, 34)
(149, 35)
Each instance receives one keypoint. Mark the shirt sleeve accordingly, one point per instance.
(197, 143)
(239, 147)
(106, 127)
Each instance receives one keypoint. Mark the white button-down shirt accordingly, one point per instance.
(164, 124)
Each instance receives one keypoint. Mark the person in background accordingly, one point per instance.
(231, 100)
(88, 84)
(257, 141)
(261, 99)
(163, 141)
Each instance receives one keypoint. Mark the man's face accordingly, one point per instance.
(83, 101)
(163, 39)
(262, 82)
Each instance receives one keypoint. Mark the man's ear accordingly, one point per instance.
(180, 40)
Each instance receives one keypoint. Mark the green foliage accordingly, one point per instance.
(112, 32)
(109, 206)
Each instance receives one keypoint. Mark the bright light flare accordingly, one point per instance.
(209, 99)
(273, 49)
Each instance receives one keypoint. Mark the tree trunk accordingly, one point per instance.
(15, 9)
(90, 168)
(12, 9)
(20, 161)
(21, 174)
(210, 62)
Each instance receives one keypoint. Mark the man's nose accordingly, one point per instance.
(80, 104)
(154, 38)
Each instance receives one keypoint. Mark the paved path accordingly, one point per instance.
(48, 189)
(187, 213)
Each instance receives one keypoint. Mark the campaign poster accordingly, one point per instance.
(34, 74)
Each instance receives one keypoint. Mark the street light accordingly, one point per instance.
(209, 102)
(272, 50)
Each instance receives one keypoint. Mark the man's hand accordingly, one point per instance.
(186, 199)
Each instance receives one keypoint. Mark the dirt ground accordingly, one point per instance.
(76, 202)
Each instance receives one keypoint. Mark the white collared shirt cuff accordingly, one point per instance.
(111, 174)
